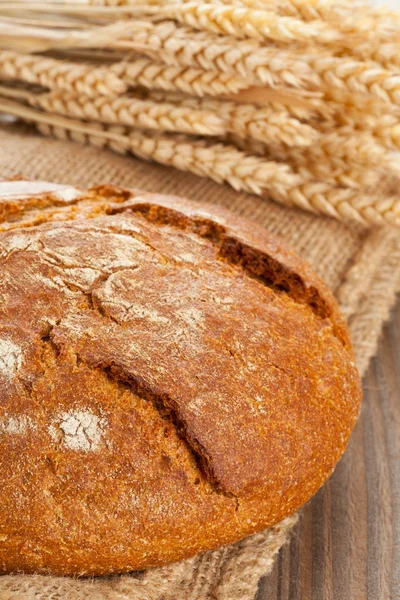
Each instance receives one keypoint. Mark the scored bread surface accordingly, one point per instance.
(172, 378)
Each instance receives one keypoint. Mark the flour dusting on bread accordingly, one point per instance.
(79, 430)
(16, 425)
(10, 358)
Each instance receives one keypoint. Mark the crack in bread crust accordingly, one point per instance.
(271, 272)
(256, 264)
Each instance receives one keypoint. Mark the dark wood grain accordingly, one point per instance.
(347, 543)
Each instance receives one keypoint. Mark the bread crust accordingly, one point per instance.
(172, 378)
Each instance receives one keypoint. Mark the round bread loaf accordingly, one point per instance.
(172, 379)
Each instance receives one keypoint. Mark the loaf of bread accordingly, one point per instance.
(172, 378)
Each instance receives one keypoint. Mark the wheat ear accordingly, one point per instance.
(365, 180)
(151, 74)
(345, 203)
(354, 76)
(339, 174)
(195, 116)
(125, 110)
(356, 149)
(243, 22)
(292, 8)
(248, 175)
(168, 111)
(249, 121)
(338, 149)
(365, 103)
(180, 45)
(308, 10)
(63, 75)
(385, 129)
(217, 161)
(341, 149)
(243, 172)
(386, 54)
(268, 65)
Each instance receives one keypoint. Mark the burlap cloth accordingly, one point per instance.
(361, 266)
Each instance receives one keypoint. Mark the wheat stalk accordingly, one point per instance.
(63, 75)
(298, 100)
(308, 107)
(152, 74)
(180, 45)
(37, 38)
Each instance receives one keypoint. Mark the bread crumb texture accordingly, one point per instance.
(172, 379)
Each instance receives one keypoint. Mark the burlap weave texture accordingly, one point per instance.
(361, 266)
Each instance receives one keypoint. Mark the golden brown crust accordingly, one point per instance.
(172, 378)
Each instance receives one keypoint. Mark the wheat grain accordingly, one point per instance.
(63, 75)
(180, 45)
(124, 110)
(387, 54)
(152, 74)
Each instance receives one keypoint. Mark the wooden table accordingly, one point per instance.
(347, 544)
